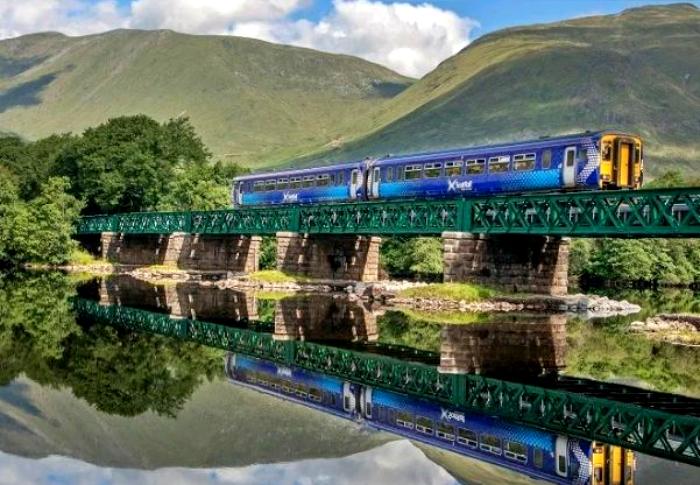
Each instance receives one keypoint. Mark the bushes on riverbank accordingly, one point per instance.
(38, 230)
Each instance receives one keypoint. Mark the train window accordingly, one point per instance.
(538, 458)
(583, 154)
(308, 181)
(355, 175)
(323, 180)
(282, 184)
(570, 157)
(561, 465)
(404, 419)
(453, 168)
(607, 152)
(446, 432)
(399, 173)
(315, 394)
(389, 176)
(295, 182)
(524, 161)
(467, 437)
(413, 172)
(516, 451)
(270, 184)
(340, 178)
(433, 170)
(499, 164)
(424, 425)
(258, 186)
(490, 443)
(546, 158)
(476, 166)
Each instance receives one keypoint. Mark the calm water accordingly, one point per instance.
(82, 402)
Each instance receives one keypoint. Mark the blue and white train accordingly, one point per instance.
(536, 453)
(589, 161)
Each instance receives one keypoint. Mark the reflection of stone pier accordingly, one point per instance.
(529, 345)
(324, 318)
(185, 300)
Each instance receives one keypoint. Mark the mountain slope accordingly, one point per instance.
(252, 101)
(637, 71)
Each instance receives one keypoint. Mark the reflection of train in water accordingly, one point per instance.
(537, 453)
(591, 161)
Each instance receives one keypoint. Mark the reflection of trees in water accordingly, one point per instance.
(119, 372)
(399, 328)
(607, 351)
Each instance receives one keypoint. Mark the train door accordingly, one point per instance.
(355, 183)
(562, 456)
(624, 162)
(349, 402)
(237, 193)
(568, 167)
(373, 181)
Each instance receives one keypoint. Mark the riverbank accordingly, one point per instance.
(408, 294)
(676, 328)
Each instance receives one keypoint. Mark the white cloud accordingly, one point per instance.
(411, 39)
(207, 16)
(72, 17)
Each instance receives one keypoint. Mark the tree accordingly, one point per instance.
(200, 187)
(129, 163)
(39, 230)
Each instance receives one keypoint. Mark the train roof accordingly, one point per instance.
(299, 171)
(476, 149)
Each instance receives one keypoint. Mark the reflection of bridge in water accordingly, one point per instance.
(653, 423)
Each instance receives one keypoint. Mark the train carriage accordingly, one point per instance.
(537, 453)
(590, 161)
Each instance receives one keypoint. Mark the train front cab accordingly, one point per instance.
(612, 465)
(621, 161)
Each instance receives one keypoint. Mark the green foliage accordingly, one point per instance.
(39, 230)
(199, 187)
(419, 257)
(268, 253)
(127, 164)
(276, 276)
(449, 291)
(664, 261)
(119, 372)
(611, 353)
(400, 328)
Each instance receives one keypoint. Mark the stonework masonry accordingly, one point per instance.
(186, 251)
(526, 264)
(524, 348)
(329, 257)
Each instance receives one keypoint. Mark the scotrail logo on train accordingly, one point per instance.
(448, 415)
(457, 186)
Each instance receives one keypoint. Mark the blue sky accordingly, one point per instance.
(408, 36)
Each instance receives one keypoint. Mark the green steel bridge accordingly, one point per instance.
(639, 213)
(657, 424)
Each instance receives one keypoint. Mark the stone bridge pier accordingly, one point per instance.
(529, 346)
(517, 263)
(183, 250)
(330, 256)
(324, 318)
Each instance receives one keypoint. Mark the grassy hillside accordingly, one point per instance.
(637, 71)
(252, 101)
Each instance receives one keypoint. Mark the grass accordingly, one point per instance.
(443, 317)
(449, 291)
(272, 295)
(80, 257)
(276, 276)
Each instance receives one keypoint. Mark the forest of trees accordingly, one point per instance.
(130, 163)
(134, 163)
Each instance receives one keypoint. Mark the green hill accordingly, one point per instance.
(637, 71)
(252, 101)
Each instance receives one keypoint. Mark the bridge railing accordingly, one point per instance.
(625, 213)
(652, 431)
